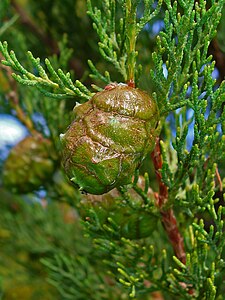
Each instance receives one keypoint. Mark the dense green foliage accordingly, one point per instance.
(160, 237)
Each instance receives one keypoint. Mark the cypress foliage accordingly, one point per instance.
(160, 237)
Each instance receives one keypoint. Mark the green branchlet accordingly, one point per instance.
(118, 35)
(87, 285)
(204, 259)
(97, 75)
(55, 85)
(201, 117)
(184, 42)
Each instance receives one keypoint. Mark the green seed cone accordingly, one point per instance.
(29, 165)
(131, 223)
(109, 137)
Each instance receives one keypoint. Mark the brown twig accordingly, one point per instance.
(168, 218)
(219, 180)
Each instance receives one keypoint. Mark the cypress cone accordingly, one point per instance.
(110, 136)
(29, 165)
(132, 223)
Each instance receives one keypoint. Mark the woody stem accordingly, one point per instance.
(168, 218)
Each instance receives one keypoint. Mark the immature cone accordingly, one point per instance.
(132, 223)
(109, 137)
(29, 165)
